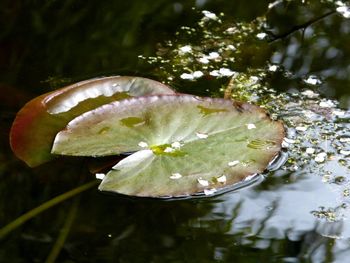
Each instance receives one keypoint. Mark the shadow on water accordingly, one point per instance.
(297, 214)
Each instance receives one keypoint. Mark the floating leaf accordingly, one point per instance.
(183, 144)
(37, 123)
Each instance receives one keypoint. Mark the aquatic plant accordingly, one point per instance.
(180, 144)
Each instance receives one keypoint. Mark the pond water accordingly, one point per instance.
(291, 57)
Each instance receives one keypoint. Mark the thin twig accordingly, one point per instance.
(301, 26)
(54, 201)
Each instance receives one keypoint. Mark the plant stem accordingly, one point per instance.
(54, 201)
(56, 249)
(229, 89)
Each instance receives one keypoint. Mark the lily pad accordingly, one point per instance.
(182, 144)
(37, 123)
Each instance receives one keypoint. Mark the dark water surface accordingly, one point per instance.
(297, 214)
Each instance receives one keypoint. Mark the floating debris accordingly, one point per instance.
(344, 152)
(343, 9)
(344, 139)
(186, 76)
(273, 68)
(301, 128)
(321, 157)
(312, 80)
(338, 112)
(310, 94)
(310, 150)
(186, 49)
(261, 35)
(209, 15)
(327, 104)
(191, 76)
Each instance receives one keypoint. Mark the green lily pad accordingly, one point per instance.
(37, 123)
(183, 144)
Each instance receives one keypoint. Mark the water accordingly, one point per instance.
(296, 213)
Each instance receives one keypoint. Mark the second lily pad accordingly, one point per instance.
(182, 144)
(37, 123)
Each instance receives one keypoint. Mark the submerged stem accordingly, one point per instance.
(56, 249)
(54, 201)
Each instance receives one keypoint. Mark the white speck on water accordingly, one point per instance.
(327, 104)
(202, 182)
(143, 144)
(310, 150)
(214, 73)
(226, 72)
(312, 80)
(251, 126)
(185, 49)
(291, 141)
(100, 176)
(176, 145)
(233, 163)
(203, 60)
(344, 139)
(261, 35)
(344, 11)
(232, 47)
(186, 76)
(295, 168)
(175, 176)
(209, 191)
(213, 55)
(310, 94)
(344, 152)
(286, 142)
(338, 113)
(201, 135)
(231, 30)
(209, 15)
(222, 179)
(301, 128)
(197, 74)
(254, 79)
(321, 157)
(273, 68)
